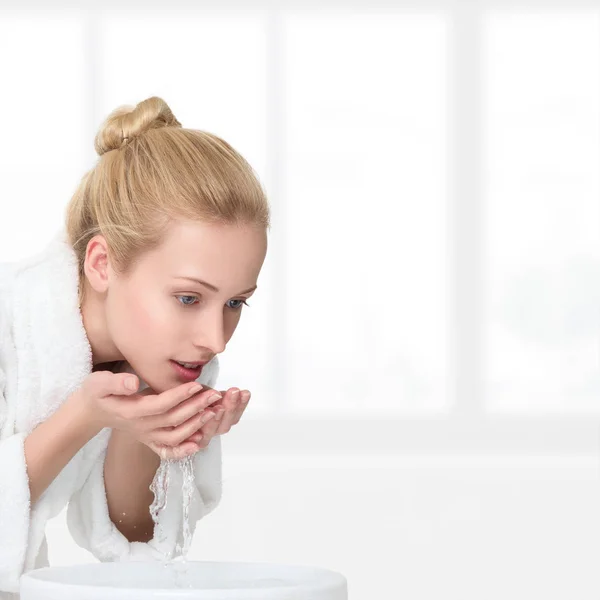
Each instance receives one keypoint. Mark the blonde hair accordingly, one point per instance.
(152, 171)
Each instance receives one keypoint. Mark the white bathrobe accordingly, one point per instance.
(44, 357)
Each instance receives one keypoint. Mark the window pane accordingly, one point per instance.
(209, 67)
(33, 200)
(366, 213)
(44, 125)
(543, 215)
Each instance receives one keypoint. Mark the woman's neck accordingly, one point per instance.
(108, 366)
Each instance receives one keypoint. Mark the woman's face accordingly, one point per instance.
(158, 313)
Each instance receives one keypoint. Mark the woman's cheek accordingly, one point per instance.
(231, 324)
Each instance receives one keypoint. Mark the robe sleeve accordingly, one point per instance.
(88, 517)
(14, 502)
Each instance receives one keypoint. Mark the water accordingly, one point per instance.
(189, 483)
(175, 563)
(160, 486)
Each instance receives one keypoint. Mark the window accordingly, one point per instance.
(432, 282)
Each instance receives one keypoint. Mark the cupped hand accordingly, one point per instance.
(164, 422)
(229, 411)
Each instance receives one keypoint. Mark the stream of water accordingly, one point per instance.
(176, 561)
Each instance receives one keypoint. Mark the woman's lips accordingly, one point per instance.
(186, 374)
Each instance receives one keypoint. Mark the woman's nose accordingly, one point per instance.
(211, 335)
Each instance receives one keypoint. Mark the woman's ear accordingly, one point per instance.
(96, 266)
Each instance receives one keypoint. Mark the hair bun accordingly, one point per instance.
(127, 122)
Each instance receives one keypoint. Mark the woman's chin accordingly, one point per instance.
(155, 378)
(156, 386)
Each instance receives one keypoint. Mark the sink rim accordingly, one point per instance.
(38, 579)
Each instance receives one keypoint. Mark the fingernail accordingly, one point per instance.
(130, 383)
(195, 389)
(219, 415)
(245, 397)
(214, 398)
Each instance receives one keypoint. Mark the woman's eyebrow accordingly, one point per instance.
(210, 286)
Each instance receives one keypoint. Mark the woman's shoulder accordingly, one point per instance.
(55, 263)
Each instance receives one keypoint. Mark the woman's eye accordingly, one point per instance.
(192, 298)
(237, 306)
(191, 301)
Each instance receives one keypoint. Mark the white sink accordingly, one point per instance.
(183, 580)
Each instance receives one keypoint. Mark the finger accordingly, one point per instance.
(230, 405)
(209, 430)
(161, 403)
(107, 383)
(174, 437)
(230, 402)
(242, 406)
(184, 449)
(184, 411)
(192, 427)
(197, 437)
(177, 452)
(144, 408)
(206, 398)
(236, 413)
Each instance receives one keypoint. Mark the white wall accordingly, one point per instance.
(433, 169)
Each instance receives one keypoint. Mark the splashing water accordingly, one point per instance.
(189, 482)
(160, 488)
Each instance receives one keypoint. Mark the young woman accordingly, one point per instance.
(106, 335)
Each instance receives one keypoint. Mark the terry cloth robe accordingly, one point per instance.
(44, 357)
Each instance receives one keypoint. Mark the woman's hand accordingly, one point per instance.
(163, 422)
(234, 403)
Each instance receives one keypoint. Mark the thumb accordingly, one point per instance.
(130, 383)
(105, 383)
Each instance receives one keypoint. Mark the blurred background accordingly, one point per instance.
(424, 345)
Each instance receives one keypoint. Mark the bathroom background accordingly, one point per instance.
(424, 346)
